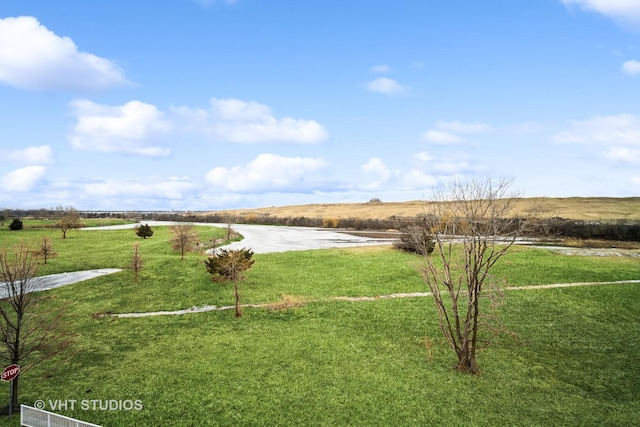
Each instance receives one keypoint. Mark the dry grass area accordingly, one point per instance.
(584, 208)
(599, 244)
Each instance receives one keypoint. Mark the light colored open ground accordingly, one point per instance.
(265, 238)
(581, 208)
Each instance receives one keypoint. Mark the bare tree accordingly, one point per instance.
(46, 250)
(29, 334)
(184, 238)
(67, 218)
(231, 265)
(473, 225)
(230, 219)
(136, 260)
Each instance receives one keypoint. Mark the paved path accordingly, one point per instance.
(44, 283)
(269, 238)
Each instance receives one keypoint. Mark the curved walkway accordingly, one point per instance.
(51, 281)
(263, 239)
(207, 308)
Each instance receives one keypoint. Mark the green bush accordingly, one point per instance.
(144, 231)
(16, 224)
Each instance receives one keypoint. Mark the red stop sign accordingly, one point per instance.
(10, 372)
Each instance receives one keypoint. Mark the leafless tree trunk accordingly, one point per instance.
(136, 260)
(46, 249)
(184, 238)
(28, 334)
(67, 218)
(230, 219)
(473, 225)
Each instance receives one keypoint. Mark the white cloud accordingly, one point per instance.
(427, 173)
(438, 166)
(440, 137)
(423, 157)
(22, 180)
(449, 132)
(380, 68)
(234, 120)
(266, 173)
(625, 12)
(463, 127)
(619, 134)
(32, 155)
(624, 155)
(376, 166)
(33, 57)
(631, 67)
(385, 86)
(120, 129)
(621, 129)
(417, 179)
(131, 127)
(173, 188)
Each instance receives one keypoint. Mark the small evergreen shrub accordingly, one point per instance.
(144, 231)
(16, 224)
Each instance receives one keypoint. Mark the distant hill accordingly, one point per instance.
(579, 208)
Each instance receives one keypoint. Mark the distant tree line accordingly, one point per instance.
(628, 230)
(621, 231)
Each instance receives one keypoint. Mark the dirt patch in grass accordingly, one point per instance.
(287, 301)
(600, 244)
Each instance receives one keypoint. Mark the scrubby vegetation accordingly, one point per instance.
(416, 239)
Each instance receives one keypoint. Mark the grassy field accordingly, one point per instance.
(572, 360)
(85, 222)
(581, 208)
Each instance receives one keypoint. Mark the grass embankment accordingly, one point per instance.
(573, 361)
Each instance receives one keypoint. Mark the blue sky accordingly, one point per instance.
(214, 104)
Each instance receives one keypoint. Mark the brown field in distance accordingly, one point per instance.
(579, 208)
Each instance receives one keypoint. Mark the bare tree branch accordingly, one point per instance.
(474, 225)
(29, 334)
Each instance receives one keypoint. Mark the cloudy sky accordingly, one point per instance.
(213, 104)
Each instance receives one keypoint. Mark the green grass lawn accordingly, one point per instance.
(572, 361)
